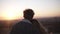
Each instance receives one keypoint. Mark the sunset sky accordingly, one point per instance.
(13, 9)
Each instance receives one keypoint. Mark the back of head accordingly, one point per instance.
(28, 13)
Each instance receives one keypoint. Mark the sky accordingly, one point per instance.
(13, 9)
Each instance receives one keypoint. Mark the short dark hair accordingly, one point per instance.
(28, 13)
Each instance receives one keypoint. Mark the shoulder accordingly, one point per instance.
(22, 23)
(35, 21)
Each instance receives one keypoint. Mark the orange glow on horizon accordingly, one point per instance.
(11, 9)
(10, 15)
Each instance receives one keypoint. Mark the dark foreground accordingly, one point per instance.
(52, 24)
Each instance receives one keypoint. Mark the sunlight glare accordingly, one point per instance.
(10, 15)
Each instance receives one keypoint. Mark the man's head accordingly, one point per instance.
(28, 14)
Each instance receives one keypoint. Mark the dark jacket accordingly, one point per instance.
(26, 28)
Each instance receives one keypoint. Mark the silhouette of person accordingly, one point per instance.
(28, 25)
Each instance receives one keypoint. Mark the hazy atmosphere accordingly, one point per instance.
(47, 12)
(13, 9)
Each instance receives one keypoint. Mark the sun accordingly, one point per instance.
(10, 15)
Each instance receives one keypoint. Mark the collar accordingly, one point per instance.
(26, 20)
